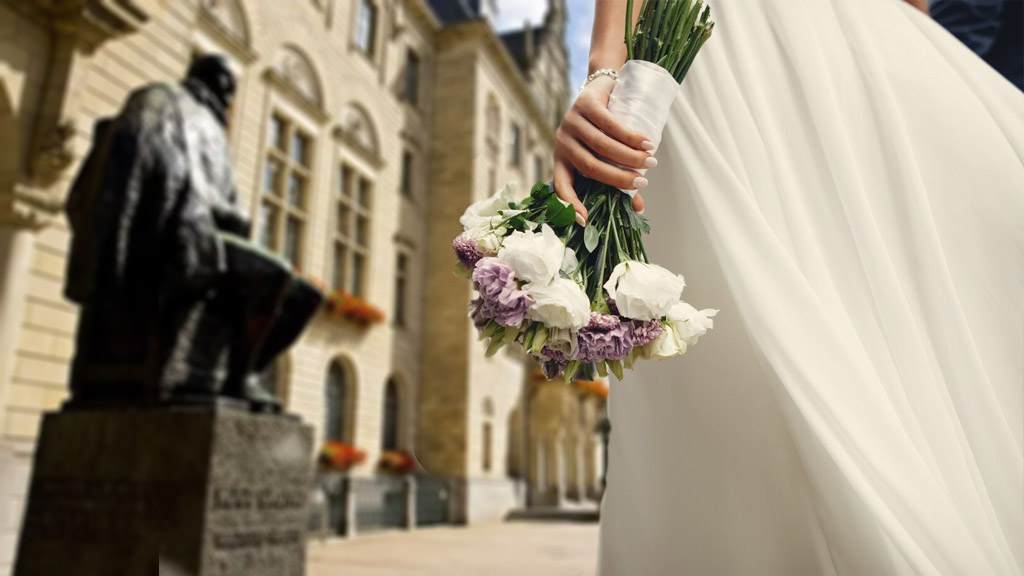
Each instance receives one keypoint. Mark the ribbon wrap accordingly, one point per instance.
(642, 99)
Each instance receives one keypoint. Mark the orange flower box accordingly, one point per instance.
(340, 457)
(341, 304)
(396, 462)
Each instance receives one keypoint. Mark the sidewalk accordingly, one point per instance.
(509, 549)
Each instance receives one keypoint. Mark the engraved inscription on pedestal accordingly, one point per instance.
(205, 493)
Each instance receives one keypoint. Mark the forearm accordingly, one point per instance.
(607, 41)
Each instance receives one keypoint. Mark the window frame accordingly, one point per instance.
(348, 242)
(278, 198)
(515, 145)
(400, 313)
(412, 77)
(370, 50)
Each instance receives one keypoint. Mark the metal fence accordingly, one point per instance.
(380, 503)
(433, 501)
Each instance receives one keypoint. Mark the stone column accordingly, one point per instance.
(16, 248)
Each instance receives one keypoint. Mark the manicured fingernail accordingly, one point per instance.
(650, 162)
(580, 220)
(639, 182)
(642, 210)
(647, 145)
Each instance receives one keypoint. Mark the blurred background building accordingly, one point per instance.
(361, 130)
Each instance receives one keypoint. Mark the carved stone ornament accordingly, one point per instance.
(297, 71)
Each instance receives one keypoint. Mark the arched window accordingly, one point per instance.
(337, 404)
(389, 440)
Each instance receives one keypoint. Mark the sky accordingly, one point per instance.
(512, 14)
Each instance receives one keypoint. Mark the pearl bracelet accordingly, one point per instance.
(609, 72)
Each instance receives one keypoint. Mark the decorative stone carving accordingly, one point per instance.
(229, 17)
(295, 69)
(358, 130)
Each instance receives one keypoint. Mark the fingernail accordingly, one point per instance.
(641, 212)
(580, 220)
(647, 145)
(639, 182)
(650, 162)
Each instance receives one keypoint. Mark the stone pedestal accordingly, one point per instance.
(175, 491)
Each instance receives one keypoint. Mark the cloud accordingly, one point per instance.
(512, 13)
(581, 20)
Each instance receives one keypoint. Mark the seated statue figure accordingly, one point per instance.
(176, 304)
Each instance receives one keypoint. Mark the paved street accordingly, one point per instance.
(510, 549)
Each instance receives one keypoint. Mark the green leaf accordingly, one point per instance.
(602, 369)
(591, 236)
(559, 214)
(461, 271)
(541, 338)
(528, 336)
(587, 371)
(511, 333)
(494, 346)
(571, 369)
(615, 367)
(541, 191)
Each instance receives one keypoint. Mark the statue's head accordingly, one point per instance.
(213, 72)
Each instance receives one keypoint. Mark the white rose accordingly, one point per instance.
(683, 325)
(559, 304)
(563, 340)
(488, 241)
(643, 291)
(484, 213)
(569, 262)
(533, 256)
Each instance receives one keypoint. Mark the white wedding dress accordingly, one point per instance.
(845, 182)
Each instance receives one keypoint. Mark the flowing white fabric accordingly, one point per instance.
(845, 182)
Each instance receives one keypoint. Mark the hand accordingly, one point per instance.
(588, 131)
(921, 5)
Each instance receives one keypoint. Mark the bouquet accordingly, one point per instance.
(586, 300)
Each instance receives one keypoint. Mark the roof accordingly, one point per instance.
(455, 11)
(515, 42)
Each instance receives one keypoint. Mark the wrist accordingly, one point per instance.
(602, 61)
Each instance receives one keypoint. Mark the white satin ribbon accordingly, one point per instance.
(642, 99)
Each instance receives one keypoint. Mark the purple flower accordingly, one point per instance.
(645, 332)
(500, 294)
(607, 337)
(551, 368)
(466, 251)
(552, 354)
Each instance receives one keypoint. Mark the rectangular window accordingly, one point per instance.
(514, 145)
(366, 27)
(412, 77)
(401, 284)
(407, 169)
(284, 200)
(354, 203)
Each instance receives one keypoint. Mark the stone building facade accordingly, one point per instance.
(360, 131)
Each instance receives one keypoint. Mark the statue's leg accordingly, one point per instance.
(300, 304)
(254, 287)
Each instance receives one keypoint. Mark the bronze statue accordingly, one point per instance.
(176, 303)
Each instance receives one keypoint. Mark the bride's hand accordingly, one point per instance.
(589, 130)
